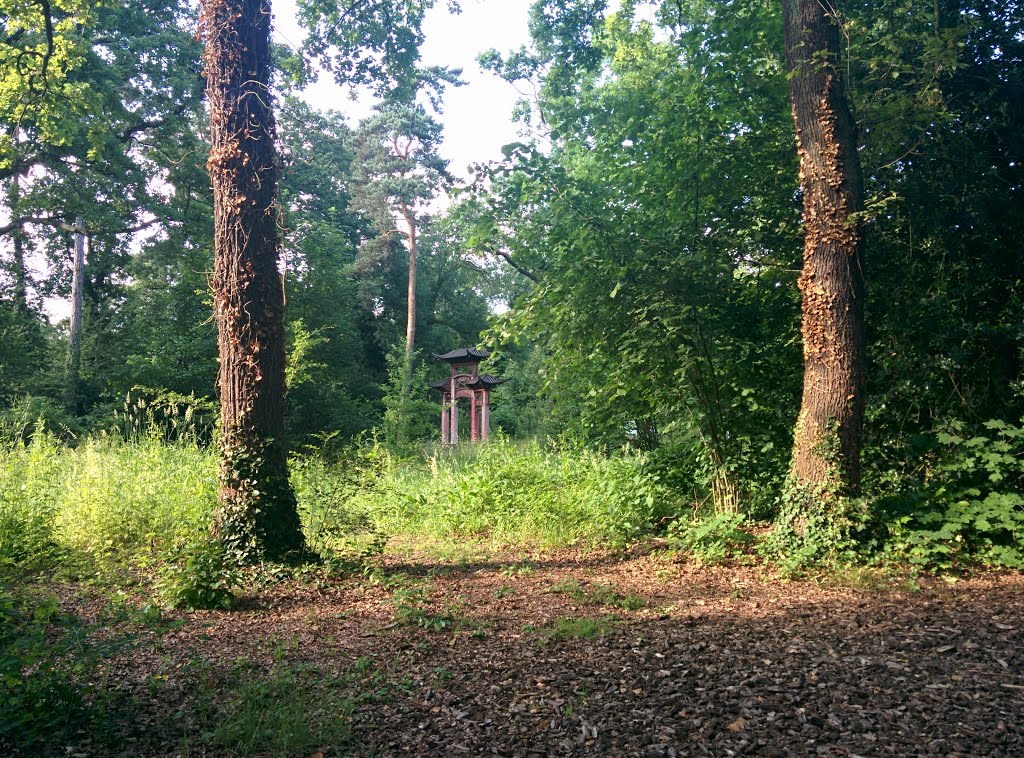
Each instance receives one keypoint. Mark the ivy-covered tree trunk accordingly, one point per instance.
(257, 513)
(826, 447)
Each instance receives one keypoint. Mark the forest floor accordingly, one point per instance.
(532, 653)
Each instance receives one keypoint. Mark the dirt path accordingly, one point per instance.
(572, 654)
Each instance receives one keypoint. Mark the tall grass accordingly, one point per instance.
(527, 492)
(140, 502)
(107, 498)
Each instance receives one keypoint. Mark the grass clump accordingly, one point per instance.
(599, 593)
(572, 628)
(279, 712)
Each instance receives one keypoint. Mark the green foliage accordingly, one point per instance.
(337, 524)
(374, 44)
(520, 492)
(31, 478)
(286, 711)
(812, 528)
(599, 594)
(200, 575)
(44, 663)
(413, 608)
(410, 414)
(27, 413)
(712, 540)
(968, 510)
(134, 501)
(155, 413)
(569, 628)
(659, 233)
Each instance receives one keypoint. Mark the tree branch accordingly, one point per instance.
(516, 265)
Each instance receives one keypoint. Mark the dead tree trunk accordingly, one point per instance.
(826, 447)
(257, 513)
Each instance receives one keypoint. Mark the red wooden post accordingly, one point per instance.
(474, 423)
(445, 434)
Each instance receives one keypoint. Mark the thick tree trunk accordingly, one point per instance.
(257, 512)
(826, 448)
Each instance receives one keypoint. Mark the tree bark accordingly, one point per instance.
(18, 271)
(257, 513)
(74, 367)
(410, 322)
(826, 446)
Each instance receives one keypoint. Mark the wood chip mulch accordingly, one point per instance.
(538, 654)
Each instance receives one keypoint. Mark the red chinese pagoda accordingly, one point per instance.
(466, 382)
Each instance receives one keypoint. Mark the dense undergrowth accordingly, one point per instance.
(137, 515)
(147, 503)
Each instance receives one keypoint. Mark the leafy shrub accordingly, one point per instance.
(968, 510)
(711, 540)
(30, 492)
(200, 576)
(337, 524)
(40, 700)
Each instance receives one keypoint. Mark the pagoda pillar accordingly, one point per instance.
(474, 420)
(445, 429)
(485, 416)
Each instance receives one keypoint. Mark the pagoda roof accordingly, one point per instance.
(482, 382)
(464, 355)
(486, 381)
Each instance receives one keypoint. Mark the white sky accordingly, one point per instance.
(477, 116)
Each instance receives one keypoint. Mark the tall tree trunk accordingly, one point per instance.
(73, 373)
(18, 271)
(410, 323)
(404, 430)
(257, 513)
(826, 447)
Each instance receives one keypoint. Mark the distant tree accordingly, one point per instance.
(399, 171)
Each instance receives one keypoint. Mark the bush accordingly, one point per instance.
(339, 525)
(31, 480)
(199, 576)
(711, 540)
(969, 508)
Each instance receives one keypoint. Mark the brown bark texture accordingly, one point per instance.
(826, 447)
(257, 512)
